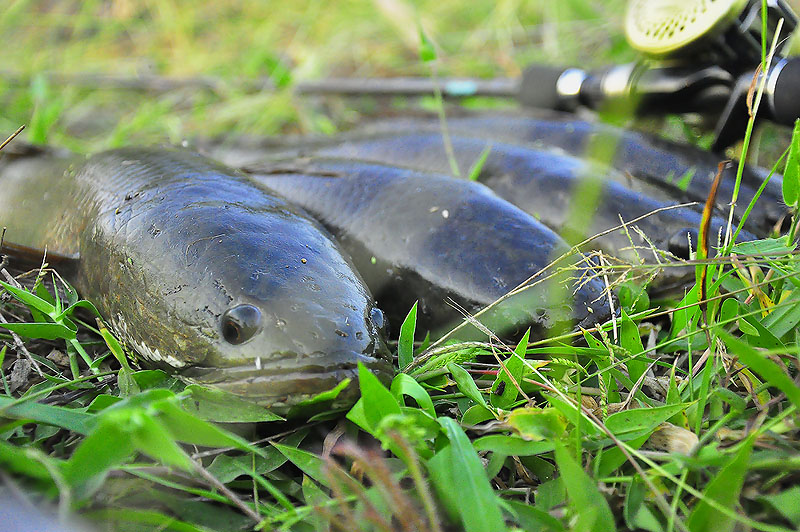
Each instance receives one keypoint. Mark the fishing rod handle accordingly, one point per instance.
(783, 90)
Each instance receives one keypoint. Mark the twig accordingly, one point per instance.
(10, 138)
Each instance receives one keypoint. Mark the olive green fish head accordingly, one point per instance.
(229, 286)
(291, 324)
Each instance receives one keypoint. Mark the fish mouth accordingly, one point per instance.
(280, 386)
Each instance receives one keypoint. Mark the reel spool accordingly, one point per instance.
(722, 32)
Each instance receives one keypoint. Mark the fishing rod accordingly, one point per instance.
(701, 57)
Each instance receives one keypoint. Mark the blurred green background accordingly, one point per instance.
(237, 41)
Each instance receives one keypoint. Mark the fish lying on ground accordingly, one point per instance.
(200, 271)
(643, 157)
(542, 183)
(436, 238)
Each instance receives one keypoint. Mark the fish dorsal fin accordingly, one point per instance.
(302, 165)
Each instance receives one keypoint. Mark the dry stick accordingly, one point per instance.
(11, 137)
(526, 283)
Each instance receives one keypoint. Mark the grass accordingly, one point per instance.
(677, 416)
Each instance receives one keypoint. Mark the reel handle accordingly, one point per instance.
(780, 102)
(783, 91)
(666, 89)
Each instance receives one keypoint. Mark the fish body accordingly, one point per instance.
(437, 239)
(681, 170)
(543, 184)
(199, 271)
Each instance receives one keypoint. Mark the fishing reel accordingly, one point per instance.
(701, 57)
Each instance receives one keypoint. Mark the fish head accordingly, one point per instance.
(208, 277)
(291, 317)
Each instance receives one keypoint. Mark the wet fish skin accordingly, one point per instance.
(432, 237)
(646, 158)
(169, 242)
(542, 184)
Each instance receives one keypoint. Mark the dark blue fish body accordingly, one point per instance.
(434, 238)
(644, 158)
(543, 184)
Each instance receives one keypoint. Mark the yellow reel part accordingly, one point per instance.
(664, 27)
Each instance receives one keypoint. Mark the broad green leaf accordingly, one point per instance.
(642, 419)
(536, 424)
(105, 448)
(514, 365)
(149, 519)
(404, 384)
(405, 344)
(475, 502)
(328, 395)
(729, 310)
(78, 304)
(511, 445)
(637, 514)
(41, 331)
(309, 463)
(681, 319)
(153, 438)
(31, 300)
(724, 488)
(629, 339)
(785, 502)
(476, 414)
(585, 500)
(762, 365)
(571, 412)
(227, 468)
(427, 52)
(26, 461)
(380, 400)
(58, 416)
(187, 428)
(783, 320)
(213, 404)
(791, 175)
(532, 519)
(466, 384)
(613, 457)
(762, 337)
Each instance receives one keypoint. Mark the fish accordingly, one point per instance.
(682, 170)
(199, 271)
(542, 183)
(451, 245)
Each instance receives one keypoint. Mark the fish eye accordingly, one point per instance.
(379, 319)
(240, 323)
(678, 243)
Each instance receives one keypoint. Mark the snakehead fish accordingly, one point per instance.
(542, 183)
(438, 239)
(198, 270)
(684, 171)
